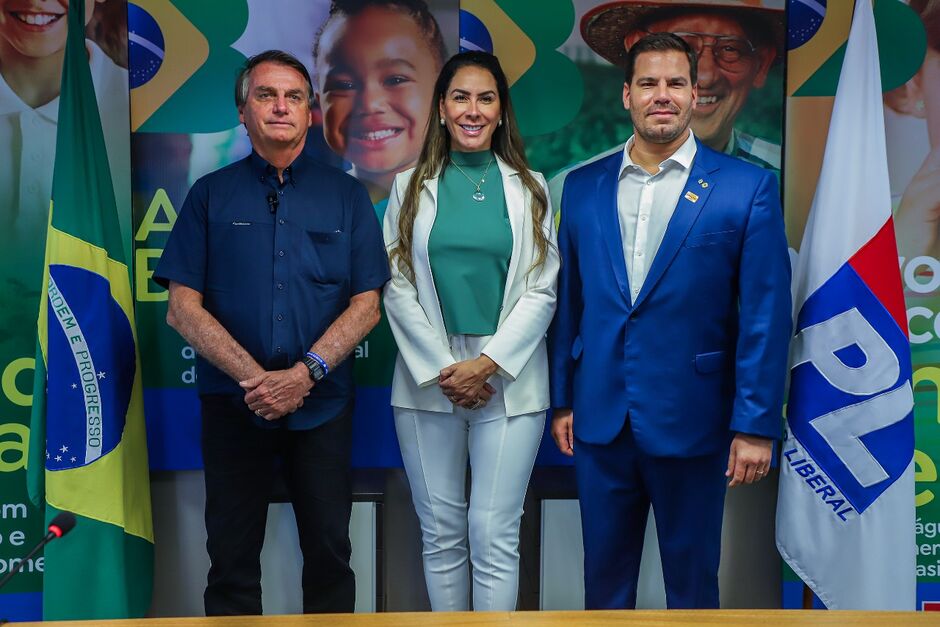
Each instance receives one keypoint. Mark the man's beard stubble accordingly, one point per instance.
(663, 134)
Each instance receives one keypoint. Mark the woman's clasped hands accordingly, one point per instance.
(464, 383)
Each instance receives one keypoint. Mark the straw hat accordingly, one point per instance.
(603, 28)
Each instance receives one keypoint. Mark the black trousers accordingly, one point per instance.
(241, 461)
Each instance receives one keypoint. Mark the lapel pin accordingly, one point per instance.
(704, 184)
(691, 196)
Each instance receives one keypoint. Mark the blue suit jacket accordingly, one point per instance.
(702, 352)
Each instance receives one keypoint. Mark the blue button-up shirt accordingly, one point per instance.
(277, 273)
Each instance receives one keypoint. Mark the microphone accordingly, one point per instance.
(60, 525)
(273, 202)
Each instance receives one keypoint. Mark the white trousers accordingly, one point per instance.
(435, 447)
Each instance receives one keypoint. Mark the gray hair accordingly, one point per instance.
(278, 57)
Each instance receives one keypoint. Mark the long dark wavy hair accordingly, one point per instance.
(435, 156)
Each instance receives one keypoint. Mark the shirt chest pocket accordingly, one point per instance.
(325, 255)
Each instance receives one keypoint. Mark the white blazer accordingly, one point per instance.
(414, 312)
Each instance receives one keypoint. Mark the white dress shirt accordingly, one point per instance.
(645, 203)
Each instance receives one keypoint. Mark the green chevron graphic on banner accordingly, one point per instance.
(211, 85)
(549, 95)
(902, 44)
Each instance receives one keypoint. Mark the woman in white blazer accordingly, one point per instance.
(471, 242)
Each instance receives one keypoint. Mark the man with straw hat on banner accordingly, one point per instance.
(737, 42)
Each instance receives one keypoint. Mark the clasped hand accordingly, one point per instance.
(276, 393)
(464, 382)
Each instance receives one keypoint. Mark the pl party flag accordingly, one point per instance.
(845, 513)
(88, 448)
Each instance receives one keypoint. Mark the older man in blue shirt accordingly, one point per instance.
(274, 270)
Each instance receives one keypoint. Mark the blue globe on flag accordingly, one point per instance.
(474, 35)
(91, 364)
(145, 45)
(804, 17)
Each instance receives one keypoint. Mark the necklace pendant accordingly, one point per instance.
(479, 196)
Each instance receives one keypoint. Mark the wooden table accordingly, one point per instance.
(651, 618)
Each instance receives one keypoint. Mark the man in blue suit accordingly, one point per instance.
(669, 347)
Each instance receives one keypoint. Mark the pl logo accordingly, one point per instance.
(851, 404)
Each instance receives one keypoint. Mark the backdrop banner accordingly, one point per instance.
(185, 124)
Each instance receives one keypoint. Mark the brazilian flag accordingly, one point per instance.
(88, 448)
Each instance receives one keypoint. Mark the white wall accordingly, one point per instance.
(181, 562)
(749, 577)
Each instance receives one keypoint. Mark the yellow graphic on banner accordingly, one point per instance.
(186, 51)
(515, 50)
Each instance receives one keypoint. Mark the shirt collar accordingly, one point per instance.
(682, 157)
(10, 104)
(264, 170)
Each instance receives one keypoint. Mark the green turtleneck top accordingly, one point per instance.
(470, 244)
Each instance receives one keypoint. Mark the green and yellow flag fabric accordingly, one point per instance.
(88, 448)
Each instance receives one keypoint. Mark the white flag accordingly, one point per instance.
(845, 513)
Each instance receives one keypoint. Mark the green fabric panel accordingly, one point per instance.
(470, 245)
(36, 460)
(83, 196)
(114, 572)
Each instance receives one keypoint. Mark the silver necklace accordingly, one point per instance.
(478, 195)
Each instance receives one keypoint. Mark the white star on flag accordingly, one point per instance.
(58, 458)
(74, 386)
(64, 449)
(101, 374)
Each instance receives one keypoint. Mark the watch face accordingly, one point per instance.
(314, 367)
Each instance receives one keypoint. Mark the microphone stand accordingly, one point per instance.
(19, 566)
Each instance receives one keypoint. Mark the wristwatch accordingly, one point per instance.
(314, 368)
